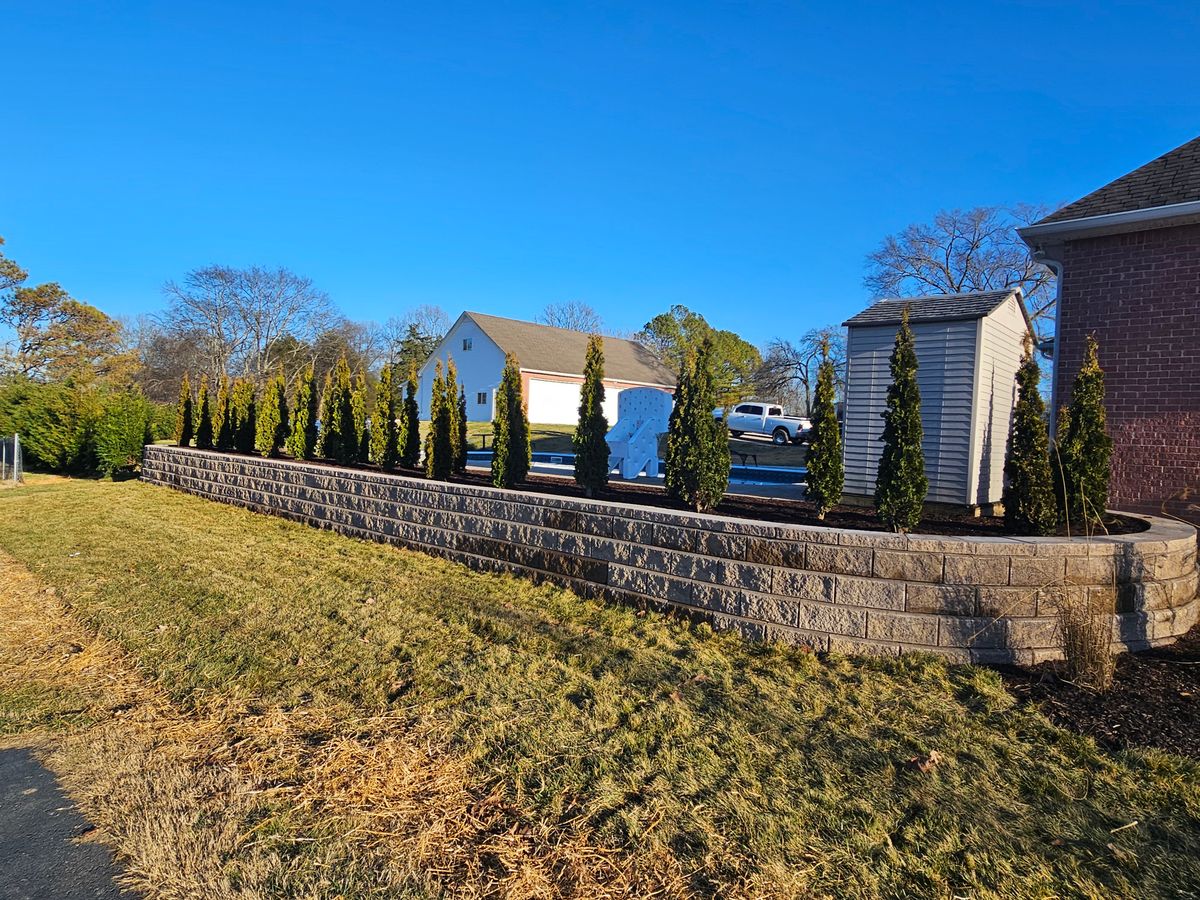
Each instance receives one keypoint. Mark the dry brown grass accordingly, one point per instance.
(178, 797)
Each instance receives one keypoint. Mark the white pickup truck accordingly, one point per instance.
(756, 417)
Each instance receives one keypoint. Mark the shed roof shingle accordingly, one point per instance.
(938, 308)
(1172, 178)
(545, 348)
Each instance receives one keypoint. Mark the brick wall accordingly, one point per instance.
(972, 600)
(1139, 294)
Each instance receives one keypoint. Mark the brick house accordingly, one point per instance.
(1127, 257)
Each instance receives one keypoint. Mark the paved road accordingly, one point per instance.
(39, 859)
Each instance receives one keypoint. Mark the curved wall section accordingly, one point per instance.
(984, 600)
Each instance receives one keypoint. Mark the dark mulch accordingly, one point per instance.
(1154, 700)
(762, 509)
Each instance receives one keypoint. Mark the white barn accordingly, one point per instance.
(551, 361)
(969, 347)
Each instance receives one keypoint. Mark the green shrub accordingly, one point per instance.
(901, 485)
(385, 438)
(358, 405)
(183, 418)
(204, 417)
(410, 424)
(697, 458)
(463, 443)
(511, 450)
(826, 474)
(303, 432)
(339, 438)
(590, 439)
(245, 416)
(1029, 506)
(272, 424)
(223, 422)
(122, 431)
(458, 409)
(1084, 449)
(56, 424)
(439, 441)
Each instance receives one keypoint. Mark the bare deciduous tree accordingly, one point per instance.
(573, 315)
(789, 370)
(965, 250)
(244, 317)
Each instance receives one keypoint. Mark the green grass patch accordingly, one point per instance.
(755, 769)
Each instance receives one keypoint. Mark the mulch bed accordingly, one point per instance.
(1154, 700)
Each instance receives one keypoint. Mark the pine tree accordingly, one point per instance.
(901, 485)
(223, 416)
(358, 404)
(1084, 450)
(511, 451)
(384, 435)
(329, 442)
(456, 446)
(410, 424)
(697, 459)
(824, 462)
(590, 440)
(303, 433)
(245, 416)
(272, 424)
(1029, 493)
(183, 413)
(439, 442)
(204, 419)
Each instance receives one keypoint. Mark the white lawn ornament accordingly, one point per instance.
(642, 416)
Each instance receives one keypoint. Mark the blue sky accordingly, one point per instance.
(741, 159)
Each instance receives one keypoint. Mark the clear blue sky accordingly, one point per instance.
(738, 158)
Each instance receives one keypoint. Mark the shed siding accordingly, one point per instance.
(946, 359)
(1001, 349)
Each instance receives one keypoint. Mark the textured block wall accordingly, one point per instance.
(981, 600)
(1140, 295)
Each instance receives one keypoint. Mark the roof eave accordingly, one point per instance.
(1042, 237)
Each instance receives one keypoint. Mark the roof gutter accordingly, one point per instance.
(1067, 228)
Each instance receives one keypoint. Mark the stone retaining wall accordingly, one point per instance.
(983, 600)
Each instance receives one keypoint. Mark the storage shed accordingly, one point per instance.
(969, 347)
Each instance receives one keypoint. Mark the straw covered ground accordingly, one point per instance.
(246, 707)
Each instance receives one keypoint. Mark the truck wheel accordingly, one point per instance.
(780, 436)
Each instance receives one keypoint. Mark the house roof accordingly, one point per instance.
(1172, 178)
(544, 348)
(938, 308)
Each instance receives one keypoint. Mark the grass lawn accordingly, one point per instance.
(248, 707)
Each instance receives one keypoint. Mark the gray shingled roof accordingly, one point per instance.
(549, 349)
(1172, 178)
(939, 308)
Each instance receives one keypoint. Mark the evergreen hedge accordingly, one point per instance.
(303, 433)
(1029, 506)
(458, 450)
(460, 457)
(122, 431)
(183, 415)
(272, 425)
(826, 473)
(362, 431)
(511, 450)
(697, 459)
(1084, 449)
(245, 416)
(590, 439)
(901, 485)
(204, 417)
(410, 424)
(439, 441)
(223, 416)
(384, 435)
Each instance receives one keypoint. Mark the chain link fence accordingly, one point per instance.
(11, 462)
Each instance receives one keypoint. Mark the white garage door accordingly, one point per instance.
(557, 403)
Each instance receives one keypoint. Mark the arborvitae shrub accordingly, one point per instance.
(273, 418)
(460, 421)
(590, 439)
(340, 438)
(329, 442)
(410, 424)
(697, 458)
(303, 433)
(204, 417)
(358, 403)
(901, 485)
(223, 416)
(826, 473)
(385, 438)
(439, 442)
(451, 387)
(1029, 491)
(183, 413)
(1084, 450)
(245, 416)
(511, 451)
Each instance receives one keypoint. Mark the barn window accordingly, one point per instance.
(466, 343)
(481, 398)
